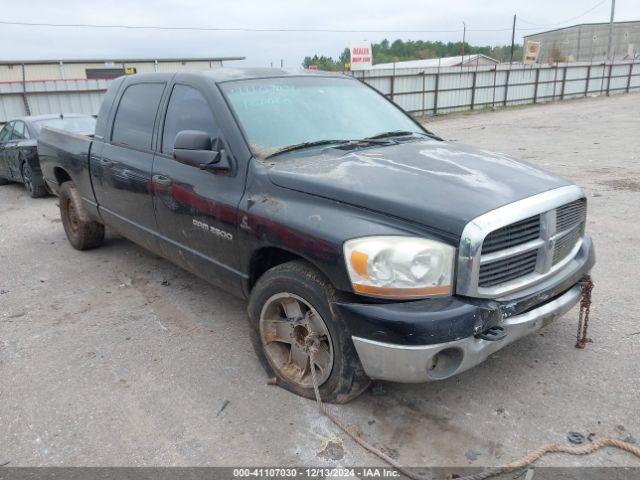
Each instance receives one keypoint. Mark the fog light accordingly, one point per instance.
(445, 363)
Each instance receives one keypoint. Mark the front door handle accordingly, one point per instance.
(161, 180)
(106, 163)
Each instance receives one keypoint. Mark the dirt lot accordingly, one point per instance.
(116, 357)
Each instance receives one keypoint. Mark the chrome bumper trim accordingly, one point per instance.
(413, 364)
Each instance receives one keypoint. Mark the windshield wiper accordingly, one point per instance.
(375, 140)
(303, 145)
(394, 133)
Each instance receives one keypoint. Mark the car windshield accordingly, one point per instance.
(71, 124)
(281, 112)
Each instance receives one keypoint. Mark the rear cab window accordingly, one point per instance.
(135, 118)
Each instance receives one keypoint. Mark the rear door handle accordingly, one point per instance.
(161, 180)
(106, 163)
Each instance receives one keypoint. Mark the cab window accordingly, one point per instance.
(187, 110)
(135, 118)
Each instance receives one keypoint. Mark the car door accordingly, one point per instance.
(122, 170)
(5, 137)
(18, 134)
(196, 210)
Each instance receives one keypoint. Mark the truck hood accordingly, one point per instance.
(434, 183)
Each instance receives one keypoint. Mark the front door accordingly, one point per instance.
(5, 138)
(196, 209)
(122, 169)
(13, 151)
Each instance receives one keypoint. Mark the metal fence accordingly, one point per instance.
(418, 91)
(435, 91)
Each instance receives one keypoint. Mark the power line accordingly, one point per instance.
(248, 29)
(567, 20)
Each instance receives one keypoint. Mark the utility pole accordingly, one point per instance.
(610, 48)
(513, 37)
(464, 36)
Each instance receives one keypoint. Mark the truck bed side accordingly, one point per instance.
(65, 156)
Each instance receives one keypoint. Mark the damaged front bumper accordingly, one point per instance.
(434, 339)
(407, 363)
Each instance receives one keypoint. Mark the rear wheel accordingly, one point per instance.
(288, 303)
(36, 188)
(82, 232)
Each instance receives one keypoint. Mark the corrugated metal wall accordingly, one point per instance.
(63, 88)
(50, 96)
(435, 91)
(64, 71)
(588, 42)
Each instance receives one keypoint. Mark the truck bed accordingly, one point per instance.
(60, 152)
(70, 152)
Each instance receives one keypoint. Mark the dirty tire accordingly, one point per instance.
(347, 379)
(35, 188)
(82, 232)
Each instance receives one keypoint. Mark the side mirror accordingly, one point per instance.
(194, 148)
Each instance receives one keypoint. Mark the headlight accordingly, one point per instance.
(400, 267)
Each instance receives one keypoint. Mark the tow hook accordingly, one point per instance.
(493, 334)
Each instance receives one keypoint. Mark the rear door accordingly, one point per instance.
(196, 209)
(122, 173)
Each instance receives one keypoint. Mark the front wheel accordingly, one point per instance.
(82, 232)
(288, 303)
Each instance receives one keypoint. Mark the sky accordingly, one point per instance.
(443, 19)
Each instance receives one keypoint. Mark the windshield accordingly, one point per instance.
(71, 124)
(279, 112)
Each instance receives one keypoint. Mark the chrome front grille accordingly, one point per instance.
(516, 246)
(520, 249)
(571, 214)
(565, 244)
(512, 235)
(501, 271)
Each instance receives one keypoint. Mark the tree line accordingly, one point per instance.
(399, 51)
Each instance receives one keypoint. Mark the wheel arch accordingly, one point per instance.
(61, 175)
(271, 256)
(21, 162)
(27, 155)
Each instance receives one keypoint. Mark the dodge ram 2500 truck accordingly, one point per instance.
(334, 212)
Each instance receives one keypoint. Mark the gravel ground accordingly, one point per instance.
(116, 357)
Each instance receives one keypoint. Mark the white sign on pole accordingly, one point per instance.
(532, 49)
(361, 56)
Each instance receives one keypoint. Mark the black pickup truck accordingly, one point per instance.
(334, 212)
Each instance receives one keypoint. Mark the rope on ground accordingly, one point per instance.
(313, 343)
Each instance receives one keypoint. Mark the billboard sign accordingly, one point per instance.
(532, 49)
(361, 56)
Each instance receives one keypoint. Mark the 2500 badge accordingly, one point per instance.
(214, 230)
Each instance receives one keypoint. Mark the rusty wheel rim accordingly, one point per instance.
(72, 215)
(285, 321)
